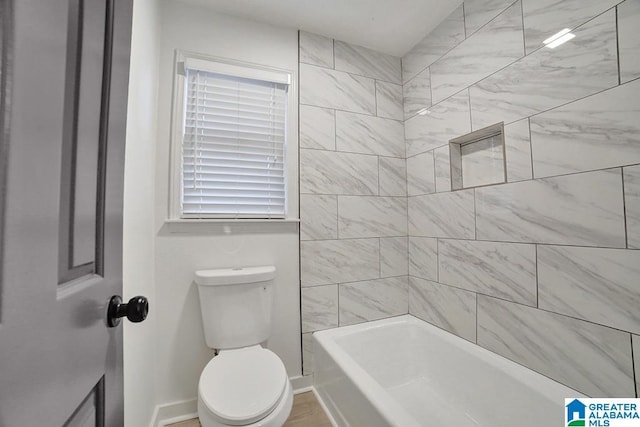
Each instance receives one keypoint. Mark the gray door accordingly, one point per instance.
(64, 76)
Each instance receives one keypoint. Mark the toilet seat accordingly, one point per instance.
(242, 386)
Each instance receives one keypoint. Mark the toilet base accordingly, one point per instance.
(276, 418)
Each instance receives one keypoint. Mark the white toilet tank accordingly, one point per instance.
(236, 305)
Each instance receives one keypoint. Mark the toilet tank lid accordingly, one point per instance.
(233, 276)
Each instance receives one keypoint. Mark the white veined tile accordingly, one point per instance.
(583, 209)
(334, 261)
(503, 270)
(316, 50)
(329, 172)
(559, 347)
(628, 40)
(318, 217)
(393, 176)
(435, 126)
(451, 309)
(594, 284)
(517, 143)
(319, 308)
(442, 169)
(632, 205)
(317, 128)
(417, 94)
(547, 78)
(373, 299)
(597, 132)
(322, 87)
(367, 62)
(360, 133)
(444, 37)
(389, 100)
(423, 257)
(491, 48)
(394, 256)
(478, 13)
(544, 18)
(362, 216)
(443, 215)
(421, 174)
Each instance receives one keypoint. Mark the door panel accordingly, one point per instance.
(61, 259)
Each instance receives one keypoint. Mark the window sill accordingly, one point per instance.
(229, 226)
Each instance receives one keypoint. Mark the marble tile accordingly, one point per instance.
(628, 40)
(389, 100)
(583, 209)
(393, 176)
(593, 359)
(596, 132)
(307, 354)
(518, 151)
(442, 215)
(491, 48)
(417, 94)
(317, 128)
(333, 261)
(442, 169)
(440, 123)
(319, 308)
(427, 51)
(359, 133)
(478, 13)
(366, 62)
(482, 162)
(318, 217)
(373, 299)
(421, 174)
(394, 256)
(334, 89)
(635, 342)
(544, 18)
(598, 285)
(423, 257)
(550, 77)
(328, 172)
(316, 50)
(502, 270)
(451, 309)
(632, 205)
(362, 216)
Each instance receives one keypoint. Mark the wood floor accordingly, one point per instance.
(306, 412)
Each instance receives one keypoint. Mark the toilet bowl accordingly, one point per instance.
(244, 387)
(245, 384)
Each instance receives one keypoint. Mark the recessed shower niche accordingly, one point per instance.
(478, 158)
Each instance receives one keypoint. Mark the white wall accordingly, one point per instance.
(180, 249)
(138, 244)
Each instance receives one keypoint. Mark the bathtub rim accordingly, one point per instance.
(389, 408)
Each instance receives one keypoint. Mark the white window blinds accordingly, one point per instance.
(233, 147)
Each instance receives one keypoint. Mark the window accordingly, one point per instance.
(231, 121)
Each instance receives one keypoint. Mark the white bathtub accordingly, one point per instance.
(404, 372)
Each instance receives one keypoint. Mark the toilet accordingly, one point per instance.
(245, 384)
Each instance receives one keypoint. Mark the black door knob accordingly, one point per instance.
(135, 310)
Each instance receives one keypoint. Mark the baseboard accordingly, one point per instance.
(301, 383)
(175, 412)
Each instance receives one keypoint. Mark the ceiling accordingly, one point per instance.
(389, 26)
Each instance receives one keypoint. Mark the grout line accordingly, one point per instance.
(530, 147)
(464, 22)
(521, 304)
(633, 366)
(618, 47)
(624, 210)
(301, 224)
(537, 276)
(524, 37)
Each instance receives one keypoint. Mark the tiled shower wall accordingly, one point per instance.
(544, 269)
(353, 197)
